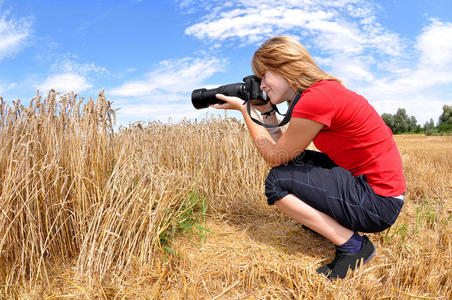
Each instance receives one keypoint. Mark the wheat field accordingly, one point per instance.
(177, 211)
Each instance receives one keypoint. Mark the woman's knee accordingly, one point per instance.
(275, 189)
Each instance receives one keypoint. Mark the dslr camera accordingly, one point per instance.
(249, 90)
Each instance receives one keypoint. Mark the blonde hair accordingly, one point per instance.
(289, 58)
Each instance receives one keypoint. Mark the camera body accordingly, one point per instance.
(249, 90)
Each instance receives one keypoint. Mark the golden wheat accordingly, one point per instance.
(89, 212)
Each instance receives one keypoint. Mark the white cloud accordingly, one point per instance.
(335, 36)
(69, 64)
(435, 45)
(6, 87)
(172, 77)
(425, 78)
(251, 25)
(351, 68)
(66, 75)
(347, 26)
(13, 34)
(64, 83)
(165, 93)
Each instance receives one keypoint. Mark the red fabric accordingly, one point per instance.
(354, 136)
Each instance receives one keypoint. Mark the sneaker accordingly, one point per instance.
(345, 260)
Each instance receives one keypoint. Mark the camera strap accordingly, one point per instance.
(287, 115)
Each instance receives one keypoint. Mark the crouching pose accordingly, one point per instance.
(355, 184)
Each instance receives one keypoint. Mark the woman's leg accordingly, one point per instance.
(314, 219)
(334, 203)
(332, 230)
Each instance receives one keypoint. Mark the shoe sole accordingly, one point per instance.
(370, 257)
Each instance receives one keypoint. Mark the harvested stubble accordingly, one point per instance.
(92, 213)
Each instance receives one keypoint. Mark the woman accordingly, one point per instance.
(355, 183)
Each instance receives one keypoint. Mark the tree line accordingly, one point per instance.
(400, 122)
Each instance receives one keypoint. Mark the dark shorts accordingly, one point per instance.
(319, 182)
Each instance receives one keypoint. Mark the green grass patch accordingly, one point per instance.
(189, 218)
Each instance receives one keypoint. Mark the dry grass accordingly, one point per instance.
(87, 212)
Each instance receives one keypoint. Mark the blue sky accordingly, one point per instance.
(149, 55)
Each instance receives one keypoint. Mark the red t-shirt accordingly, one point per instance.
(354, 136)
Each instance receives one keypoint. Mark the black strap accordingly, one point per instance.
(287, 115)
(268, 113)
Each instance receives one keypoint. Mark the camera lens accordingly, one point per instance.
(197, 100)
(202, 98)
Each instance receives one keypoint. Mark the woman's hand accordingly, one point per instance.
(235, 103)
(232, 103)
(264, 107)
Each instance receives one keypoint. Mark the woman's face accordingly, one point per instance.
(276, 87)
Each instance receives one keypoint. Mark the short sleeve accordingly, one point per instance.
(315, 105)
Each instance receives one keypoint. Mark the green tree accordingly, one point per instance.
(401, 121)
(389, 120)
(445, 120)
(412, 124)
(446, 116)
(429, 125)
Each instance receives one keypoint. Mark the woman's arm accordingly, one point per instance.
(292, 142)
(267, 119)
